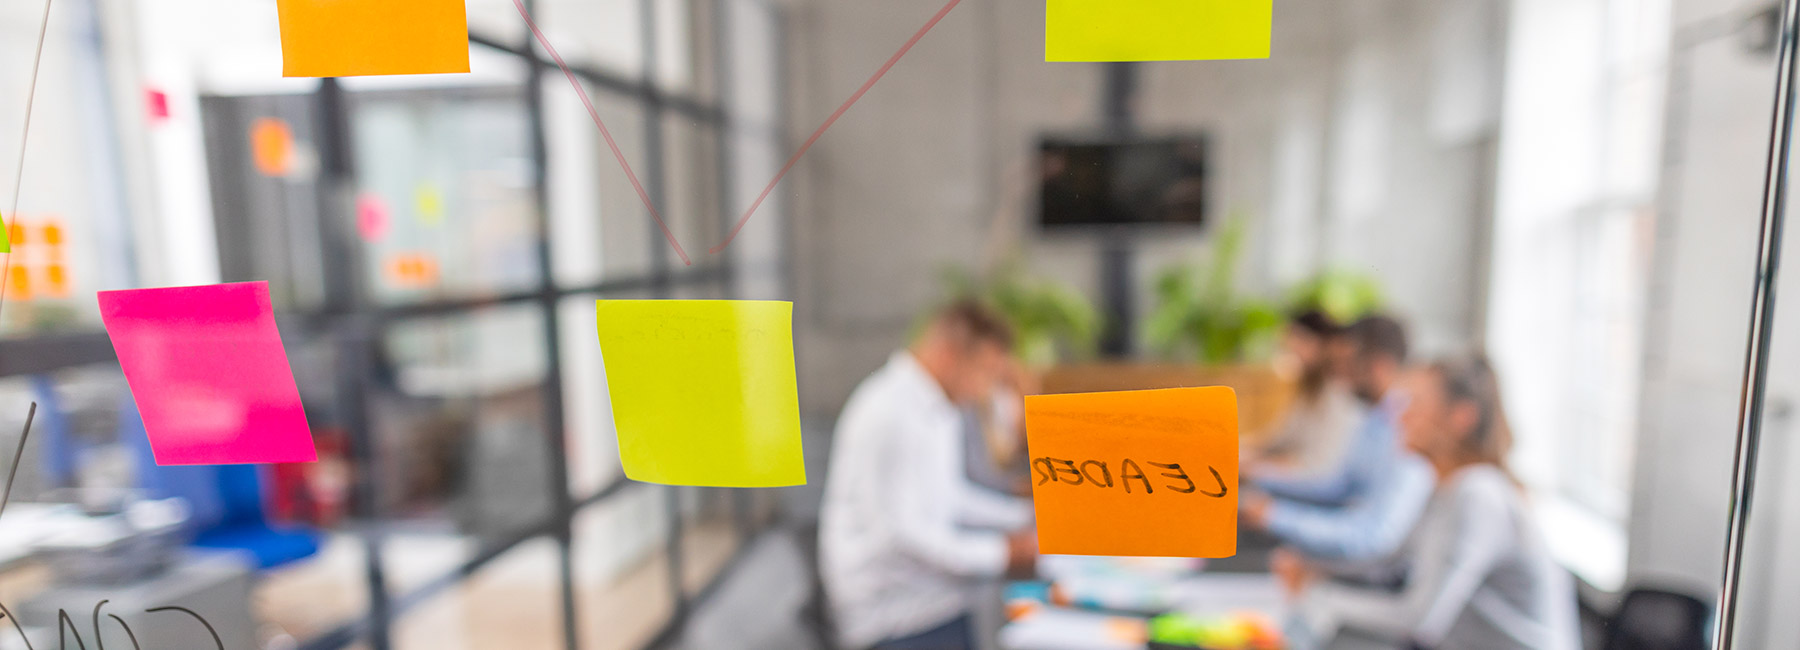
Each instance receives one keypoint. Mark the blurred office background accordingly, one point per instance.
(1574, 184)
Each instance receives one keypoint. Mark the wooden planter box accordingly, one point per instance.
(1263, 393)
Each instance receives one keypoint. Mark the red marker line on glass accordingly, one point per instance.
(935, 19)
(603, 132)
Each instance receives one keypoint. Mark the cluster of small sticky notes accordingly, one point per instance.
(703, 391)
(1157, 30)
(343, 38)
(38, 260)
(209, 374)
(412, 270)
(1146, 473)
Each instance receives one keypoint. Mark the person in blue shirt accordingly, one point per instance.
(1361, 510)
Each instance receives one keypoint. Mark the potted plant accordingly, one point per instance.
(1342, 294)
(1204, 331)
(1201, 314)
(1051, 321)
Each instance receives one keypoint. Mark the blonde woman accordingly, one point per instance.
(1476, 571)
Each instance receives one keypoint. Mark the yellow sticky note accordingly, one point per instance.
(1157, 30)
(1145, 472)
(703, 391)
(430, 204)
(343, 38)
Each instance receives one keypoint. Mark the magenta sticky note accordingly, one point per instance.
(209, 374)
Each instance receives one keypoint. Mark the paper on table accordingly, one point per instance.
(1157, 30)
(209, 374)
(703, 391)
(342, 38)
(1149, 472)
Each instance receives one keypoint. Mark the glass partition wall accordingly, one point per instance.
(434, 247)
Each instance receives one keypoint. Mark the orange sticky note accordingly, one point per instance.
(1147, 472)
(271, 146)
(344, 38)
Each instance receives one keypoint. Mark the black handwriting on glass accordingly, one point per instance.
(1097, 474)
(65, 625)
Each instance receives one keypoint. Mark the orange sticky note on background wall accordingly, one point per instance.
(345, 38)
(1147, 472)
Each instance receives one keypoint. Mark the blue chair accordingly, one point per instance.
(226, 501)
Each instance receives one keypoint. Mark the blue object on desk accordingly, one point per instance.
(225, 501)
(1032, 590)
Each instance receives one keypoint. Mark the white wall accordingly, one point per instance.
(1339, 141)
(1720, 102)
(1699, 305)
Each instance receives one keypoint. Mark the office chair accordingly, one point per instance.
(225, 502)
(816, 612)
(1653, 619)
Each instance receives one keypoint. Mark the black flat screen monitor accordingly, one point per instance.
(1114, 183)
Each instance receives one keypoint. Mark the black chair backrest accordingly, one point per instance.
(1652, 619)
(817, 611)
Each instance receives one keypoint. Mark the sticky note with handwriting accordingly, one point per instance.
(209, 374)
(703, 391)
(1157, 30)
(1146, 472)
(345, 38)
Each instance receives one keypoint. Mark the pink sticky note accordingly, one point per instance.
(371, 217)
(209, 374)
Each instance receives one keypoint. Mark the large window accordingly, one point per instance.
(1572, 236)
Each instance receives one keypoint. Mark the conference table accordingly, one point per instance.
(1102, 603)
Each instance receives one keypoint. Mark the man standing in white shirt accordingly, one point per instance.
(899, 549)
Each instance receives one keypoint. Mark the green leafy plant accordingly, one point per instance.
(1201, 314)
(1342, 294)
(1051, 321)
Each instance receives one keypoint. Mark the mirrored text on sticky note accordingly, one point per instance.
(1147, 473)
(345, 38)
(209, 374)
(703, 391)
(1157, 30)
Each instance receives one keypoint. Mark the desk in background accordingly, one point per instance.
(1094, 603)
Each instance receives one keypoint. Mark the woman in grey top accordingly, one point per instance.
(1477, 574)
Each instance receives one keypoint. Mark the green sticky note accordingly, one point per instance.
(5, 236)
(703, 391)
(1157, 30)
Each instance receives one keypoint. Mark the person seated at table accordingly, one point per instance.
(1477, 573)
(994, 434)
(1361, 510)
(1318, 427)
(899, 553)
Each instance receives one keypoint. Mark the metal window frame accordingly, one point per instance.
(352, 321)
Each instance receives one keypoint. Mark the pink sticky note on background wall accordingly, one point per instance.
(209, 374)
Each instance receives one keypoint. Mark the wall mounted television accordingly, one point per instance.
(1098, 183)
